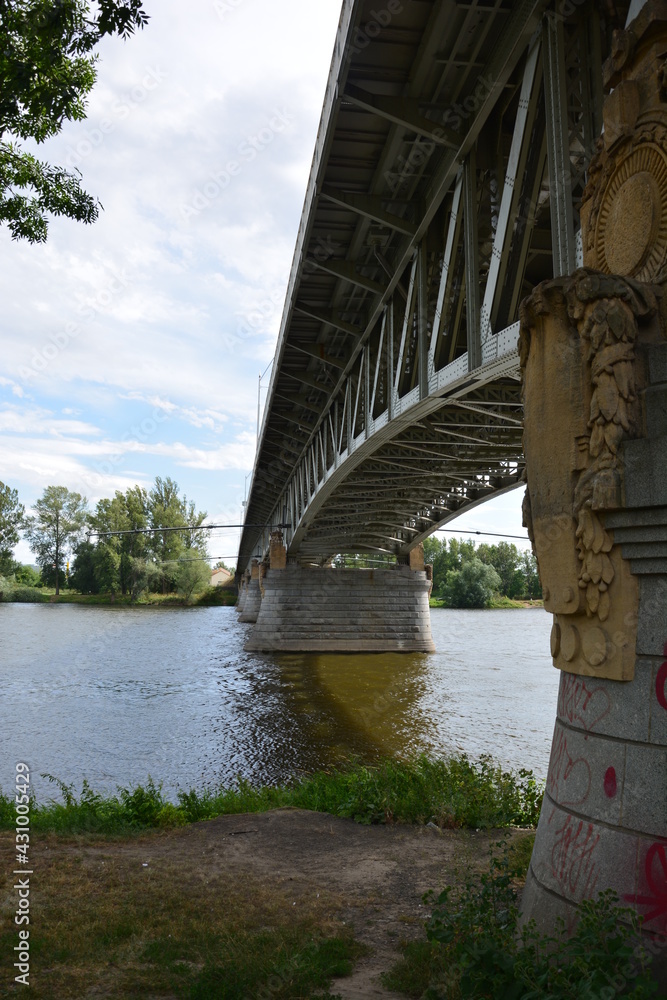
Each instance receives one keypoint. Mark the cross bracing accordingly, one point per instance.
(447, 175)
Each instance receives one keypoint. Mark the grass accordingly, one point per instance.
(104, 923)
(456, 792)
(497, 602)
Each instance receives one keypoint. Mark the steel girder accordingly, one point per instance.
(446, 180)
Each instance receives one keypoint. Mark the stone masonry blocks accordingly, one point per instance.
(328, 610)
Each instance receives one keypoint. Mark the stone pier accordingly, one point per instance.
(343, 610)
(253, 595)
(594, 359)
(242, 593)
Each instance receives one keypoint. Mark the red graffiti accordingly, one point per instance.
(580, 705)
(655, 871)
(610, 783)
(572, 857)
(561, 769)
(661, 684)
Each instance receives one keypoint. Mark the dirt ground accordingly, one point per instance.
(374, 877)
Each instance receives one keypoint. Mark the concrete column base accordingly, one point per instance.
(350, 611)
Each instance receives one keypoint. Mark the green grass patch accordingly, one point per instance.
(453, 792)
(283, 966)
(501, 601)
(106, 925)
(475, 949)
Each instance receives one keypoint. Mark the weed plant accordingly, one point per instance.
(456, 792)
(476, 949)
(18, 594)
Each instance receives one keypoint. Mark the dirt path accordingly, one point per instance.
(374, 876)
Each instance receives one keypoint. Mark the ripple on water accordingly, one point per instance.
(115, 694)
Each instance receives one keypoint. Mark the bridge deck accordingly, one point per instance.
(445, 183)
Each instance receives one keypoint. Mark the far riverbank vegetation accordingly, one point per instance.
(152, 562)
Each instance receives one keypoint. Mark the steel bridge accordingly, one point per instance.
(446, 181)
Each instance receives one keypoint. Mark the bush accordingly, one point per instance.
(452, 793)
(21, 595)
(476, 949)
(472, 586)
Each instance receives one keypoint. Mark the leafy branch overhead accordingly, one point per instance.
(47, 70)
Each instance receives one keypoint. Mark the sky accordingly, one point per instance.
(132, 347)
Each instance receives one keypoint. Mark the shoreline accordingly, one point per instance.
(226, 598)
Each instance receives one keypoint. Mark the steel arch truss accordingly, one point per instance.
(446, 181)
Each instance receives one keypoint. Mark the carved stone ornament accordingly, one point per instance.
(582, 348)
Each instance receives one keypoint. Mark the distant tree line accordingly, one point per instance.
(63, 530)
(466, 575)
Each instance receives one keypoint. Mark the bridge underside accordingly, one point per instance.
(453, 458)
(446, 183)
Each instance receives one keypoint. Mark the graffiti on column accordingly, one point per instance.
(573, 857)
(563, 769)
(661, 683)
(582, 704)
(654, 900)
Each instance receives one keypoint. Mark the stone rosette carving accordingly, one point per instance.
(627, 220)
(581, 348)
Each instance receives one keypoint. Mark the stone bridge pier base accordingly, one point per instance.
(349, 610)
(242, 593)
(253, 595)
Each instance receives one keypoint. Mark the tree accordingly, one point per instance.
(113, 562)
(11, 519)
(47, 69)
(56, 525)
(27, 576)
(472, 586)
(168, 511)
(192, 576)
(506, 560)
(82, 577)
(532, 586)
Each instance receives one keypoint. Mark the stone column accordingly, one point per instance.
(594, 360)
(243, 584)
(253, 598)
(277, 551)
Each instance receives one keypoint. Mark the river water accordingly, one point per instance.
(116, 694)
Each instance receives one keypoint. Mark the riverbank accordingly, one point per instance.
(391, 878)
(211, 597)
(318, 880)
(497, 604)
